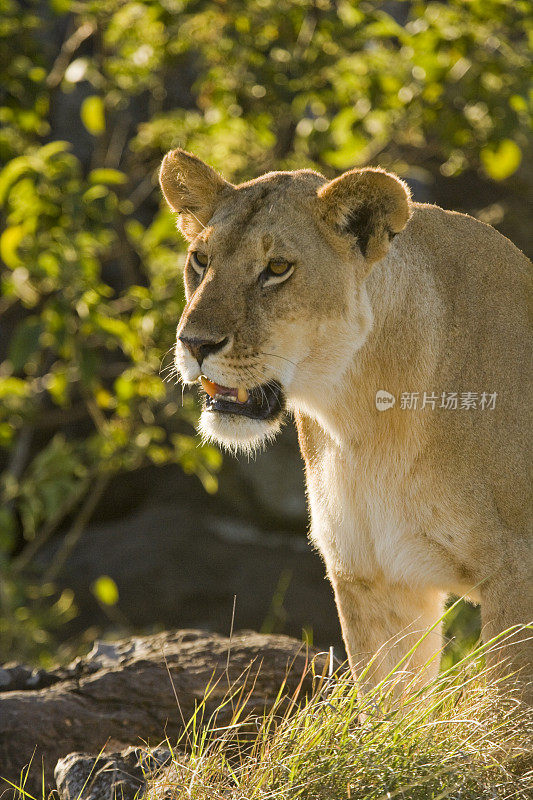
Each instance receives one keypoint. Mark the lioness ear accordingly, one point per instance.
(369, 204)
(191, 188)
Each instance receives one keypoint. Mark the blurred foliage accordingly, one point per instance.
(92, 95)
(106, 590)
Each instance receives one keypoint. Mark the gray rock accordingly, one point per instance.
(5, 678)
(17, 677)
(105, 654)
(272, 481)
(180, 566)
(137, 691)
(121, 775)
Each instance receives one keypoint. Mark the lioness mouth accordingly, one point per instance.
(261, 402)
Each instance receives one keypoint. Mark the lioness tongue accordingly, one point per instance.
(213, 389)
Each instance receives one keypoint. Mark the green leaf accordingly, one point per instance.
(95, 193)
(7, 433)
(105, 590)
(518, 103)
(209, 482)
(92, 114)
(117, 328)
(48, 151)
(61, 6)
(125, 388)
(11, 173)
(13, 386)
(105, 175)
(9, 242)
(57, 387)
(501, 160)
(25, 342)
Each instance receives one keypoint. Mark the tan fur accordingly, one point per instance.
(406, 505)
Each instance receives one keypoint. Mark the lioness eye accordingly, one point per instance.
(199, 262)
(278, 266)
(278, 270)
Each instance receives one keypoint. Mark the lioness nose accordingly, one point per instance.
(201, 348)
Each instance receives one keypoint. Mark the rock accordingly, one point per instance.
(106, 654)
(181, 565)
(271, 483)
(5, 679)
(137, 691)
(124, 774)
(16, 677)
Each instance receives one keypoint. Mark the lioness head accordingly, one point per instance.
(275, 286)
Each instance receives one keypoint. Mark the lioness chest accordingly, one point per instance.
(372, 518)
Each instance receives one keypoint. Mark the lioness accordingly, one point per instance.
(397, 335)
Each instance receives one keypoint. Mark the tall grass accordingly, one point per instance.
(464, 736)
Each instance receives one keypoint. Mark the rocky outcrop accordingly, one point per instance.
(136, 692)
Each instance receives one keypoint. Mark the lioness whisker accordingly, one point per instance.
(274, 355)
(164, 356)
(269, 385)
(254, 379)
(169, 369)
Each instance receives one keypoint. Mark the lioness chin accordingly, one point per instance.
(322, 298)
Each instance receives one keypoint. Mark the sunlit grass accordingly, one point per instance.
(465, 736)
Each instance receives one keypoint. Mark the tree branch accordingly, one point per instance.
(68, 49)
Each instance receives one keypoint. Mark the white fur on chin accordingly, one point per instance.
(235, 433)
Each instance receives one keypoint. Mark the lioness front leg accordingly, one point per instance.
(389, 618)
(507, 602)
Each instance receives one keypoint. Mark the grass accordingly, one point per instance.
(463, 737)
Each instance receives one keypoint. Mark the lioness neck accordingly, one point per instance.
(400, 354)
